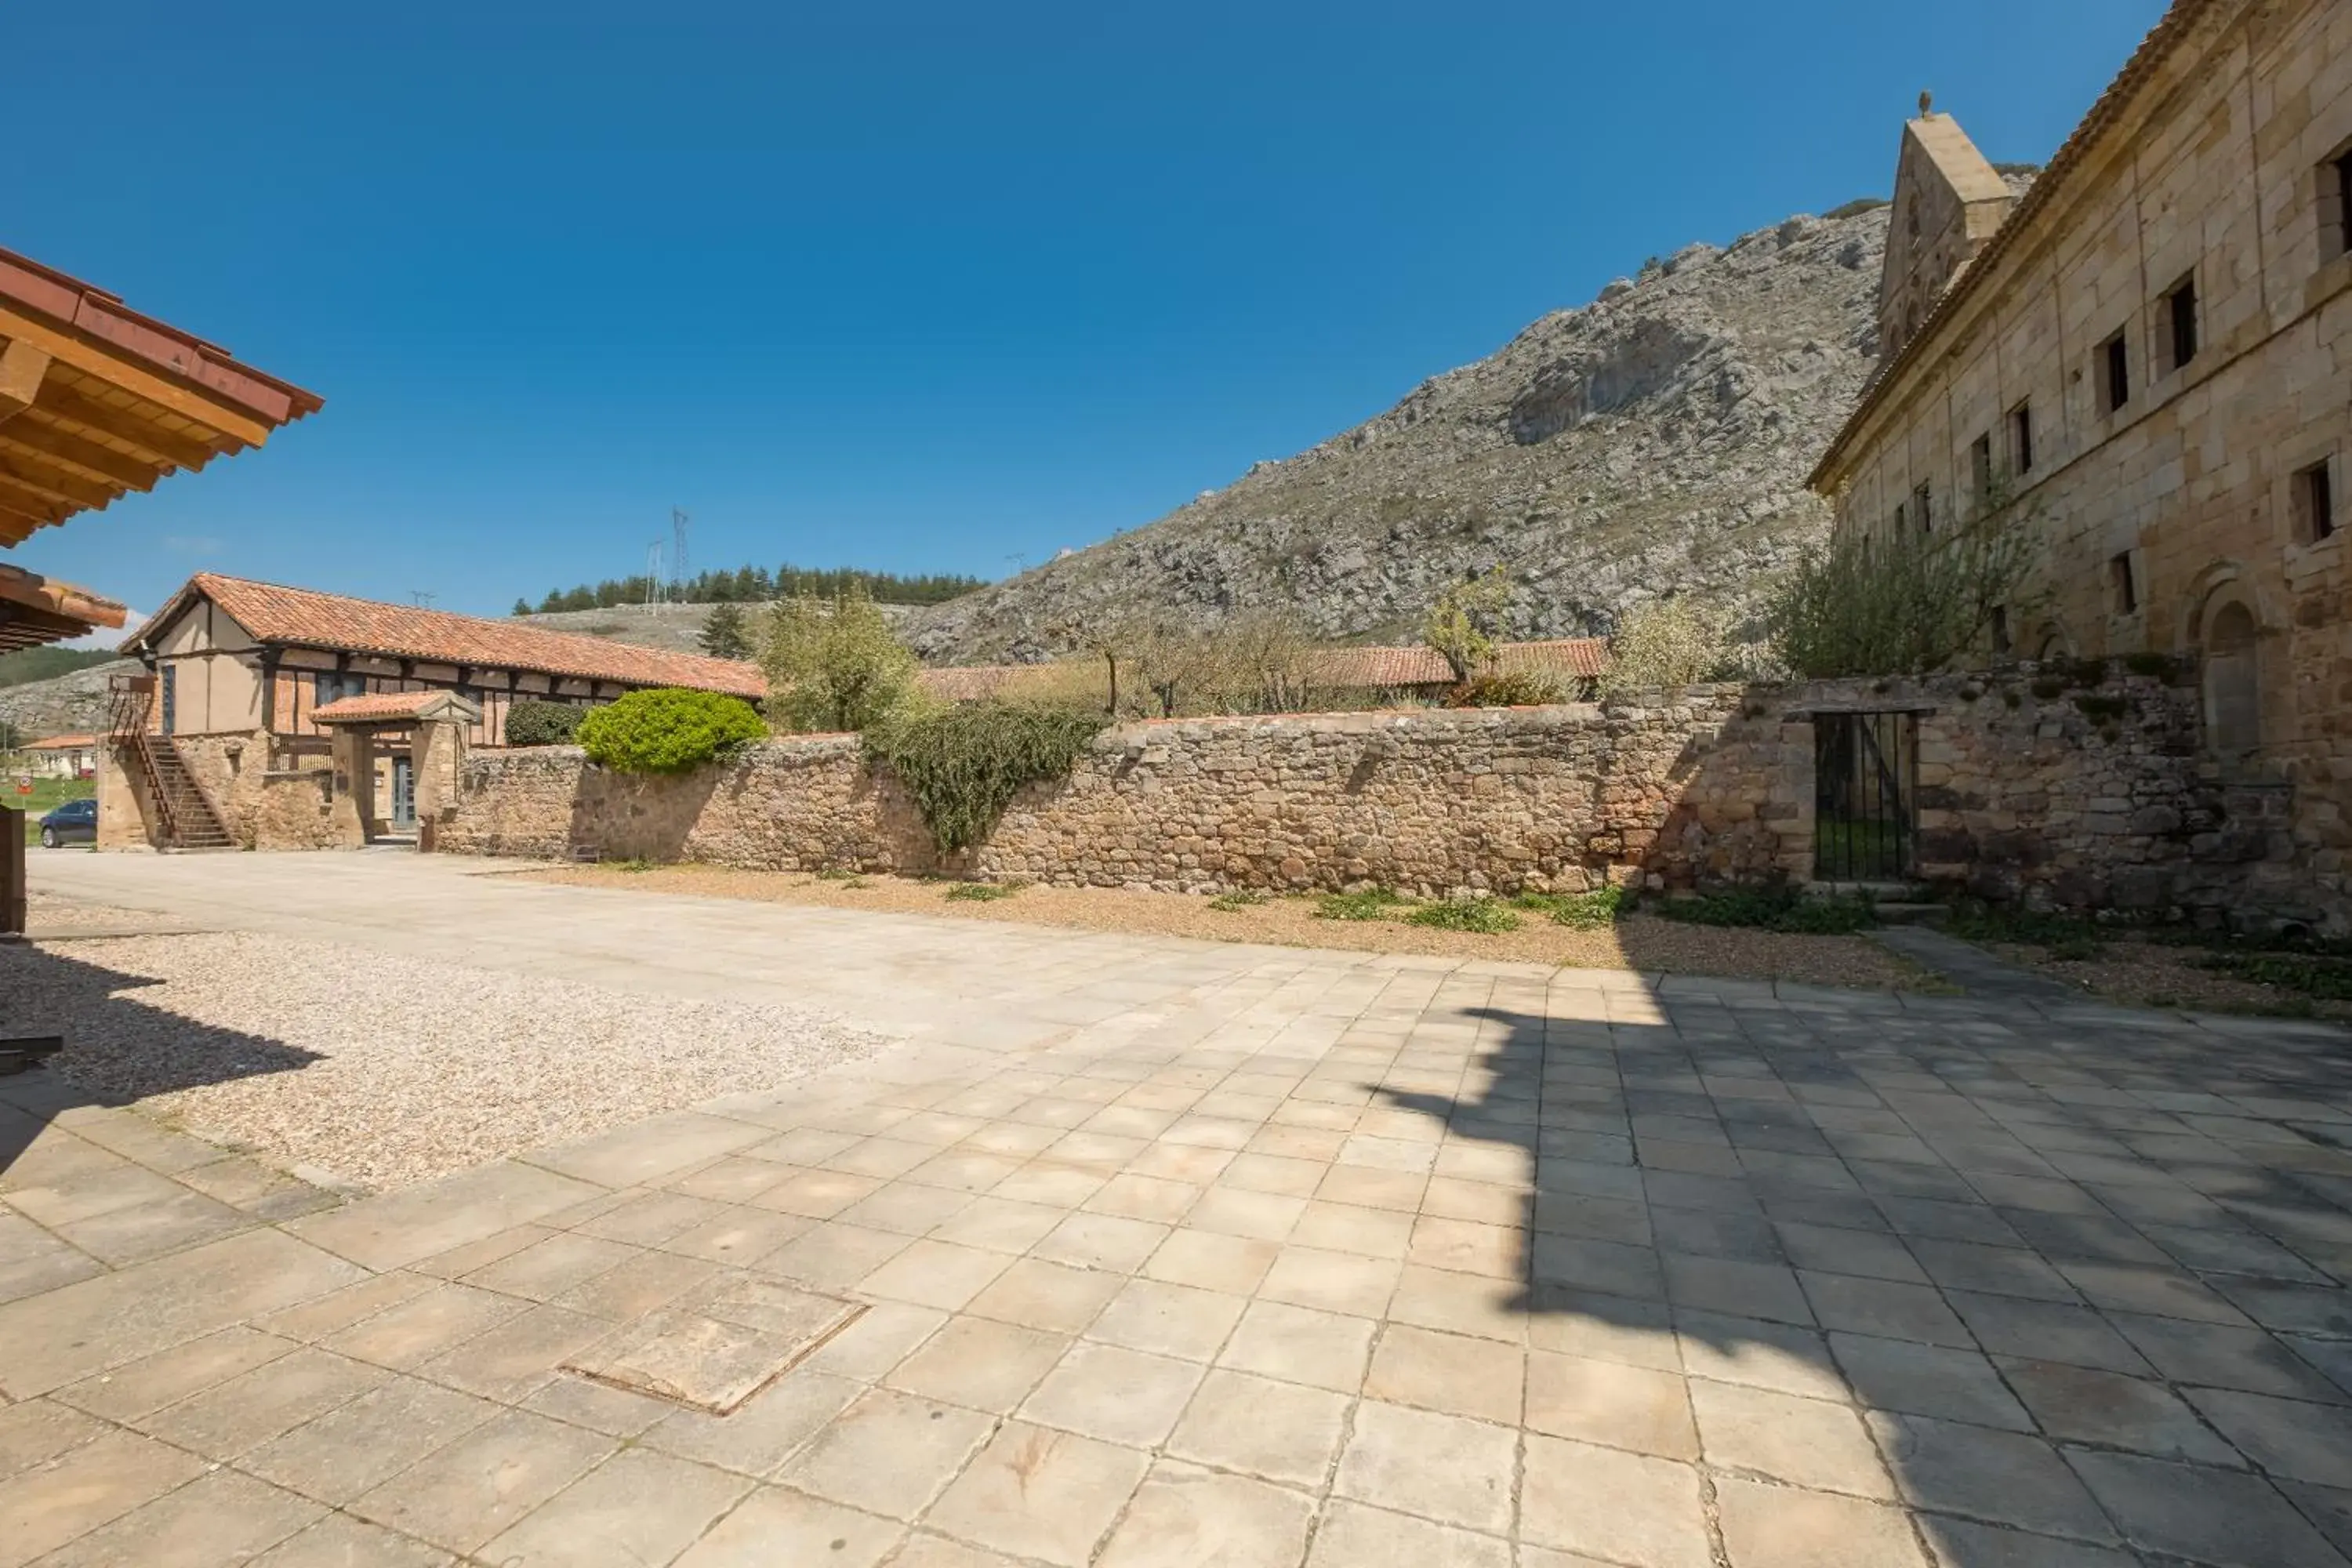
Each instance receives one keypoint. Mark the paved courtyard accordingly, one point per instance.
(1145, 1252)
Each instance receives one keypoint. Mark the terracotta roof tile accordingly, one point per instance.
(389, 705)
(61, 744)
(270, 613)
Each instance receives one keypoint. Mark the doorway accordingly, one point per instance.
(404, 795)
(1865, 768)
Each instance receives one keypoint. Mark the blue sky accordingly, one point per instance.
(923, 288)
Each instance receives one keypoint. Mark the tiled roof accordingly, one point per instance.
(374, 705)
(62, 743)
(298, 616)
(1566, 658)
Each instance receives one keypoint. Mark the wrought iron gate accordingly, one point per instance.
(1865, 768)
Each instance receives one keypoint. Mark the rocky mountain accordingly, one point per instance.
(1655, 441)
(73, 705)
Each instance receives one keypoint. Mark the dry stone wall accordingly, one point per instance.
(2082, 788)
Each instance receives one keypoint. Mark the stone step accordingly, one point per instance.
(1911, 913)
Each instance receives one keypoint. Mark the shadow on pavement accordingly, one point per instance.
(118, 1049)
(2073, 1275)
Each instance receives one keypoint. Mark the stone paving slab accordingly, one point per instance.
(1175, 1255)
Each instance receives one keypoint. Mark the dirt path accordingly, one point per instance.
(1638, 942)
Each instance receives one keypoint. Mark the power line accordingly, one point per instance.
(677, 568)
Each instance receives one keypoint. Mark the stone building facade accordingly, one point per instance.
(2147, 364)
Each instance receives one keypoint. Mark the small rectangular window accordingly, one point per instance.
(1902, 518)
(2181, 314)
(2000, 641)
(2119, 579)
(1923, 507)
(1980, 466)
(2115, 374)
(2315, 504)
(2335, 205)
(2020, 439)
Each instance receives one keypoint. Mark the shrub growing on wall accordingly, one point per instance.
(668, 731)
(963, 766)
(544, 723)
(1906, 604)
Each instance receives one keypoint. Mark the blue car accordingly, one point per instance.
(75, 822)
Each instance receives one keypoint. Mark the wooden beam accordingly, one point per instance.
(135, 379)
(33, 433)
(43, 510)
(22, 366)
(48, 479)
(53, 478)
(175, 446)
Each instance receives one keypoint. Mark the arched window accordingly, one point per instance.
(2233, 698)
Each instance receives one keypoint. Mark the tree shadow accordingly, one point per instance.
(1965, 1222)
(118, 1049)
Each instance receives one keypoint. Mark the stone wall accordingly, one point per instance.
(1503, 799)
(2071, 787)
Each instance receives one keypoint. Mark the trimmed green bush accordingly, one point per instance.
(544, 723)
(963, 765)
(1488, 917)
(668, 731)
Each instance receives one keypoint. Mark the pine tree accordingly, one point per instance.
(724, 633)
(522, 607)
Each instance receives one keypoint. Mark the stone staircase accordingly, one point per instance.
(1896, 903)
(190, 820)
(186, 818)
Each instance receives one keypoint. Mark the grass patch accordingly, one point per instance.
(634, 863)
(1239, 899)
(1594, 910)
(982, 892)
(1367, 904)
(1778, 908)
(2303, 974)
(1488, 917)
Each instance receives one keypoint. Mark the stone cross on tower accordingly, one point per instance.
(1927, 103)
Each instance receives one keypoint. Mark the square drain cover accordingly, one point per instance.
(722, 1345)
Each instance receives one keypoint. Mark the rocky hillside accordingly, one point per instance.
(1653, 441)
(677, 627)
(73, 705)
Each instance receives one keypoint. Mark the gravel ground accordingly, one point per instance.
(384, 1069)
(1640, 943)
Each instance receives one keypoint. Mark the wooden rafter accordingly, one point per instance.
(177, 448)
(146, 384)
(36, 434)
(45, 477)
(23, 368)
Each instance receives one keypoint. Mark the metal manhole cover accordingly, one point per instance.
(720, 1346)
